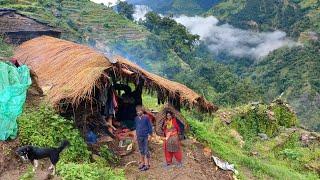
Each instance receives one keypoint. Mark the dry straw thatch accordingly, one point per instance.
(71, 71)
(162, 116)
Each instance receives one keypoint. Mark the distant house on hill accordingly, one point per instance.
(18, 28)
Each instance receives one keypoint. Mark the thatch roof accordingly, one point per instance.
(71, 71)
(13, 21)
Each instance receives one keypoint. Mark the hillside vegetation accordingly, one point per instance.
(6, 51)
(76, 161)
(233, 135)
(167, 48)
(162, 46)
(295, 73)
(81, 20)
(291, 71)
(188, 7)
(291, 16)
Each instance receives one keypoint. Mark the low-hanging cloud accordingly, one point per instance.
(237, 42)
(140, 11)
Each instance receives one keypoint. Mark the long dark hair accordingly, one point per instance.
(169, 112)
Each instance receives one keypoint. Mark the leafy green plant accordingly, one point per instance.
(43, 127)
(90, 171)
(254, 121)
(263, 119)
(28, 175)
(219, 141)
(6, 50)
(285, 117)
(108, 155)
(106, 25)
(290, 154)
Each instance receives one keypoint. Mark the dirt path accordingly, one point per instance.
(12, 168)
(195, 165)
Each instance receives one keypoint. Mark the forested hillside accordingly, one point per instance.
(291, 71)
(291, 16)
(294, 72)
(167, 48)
(263, 101)
(188, 7)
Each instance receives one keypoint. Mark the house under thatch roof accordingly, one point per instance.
(17, 27)
(70, 71)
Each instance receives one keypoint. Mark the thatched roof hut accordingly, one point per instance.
(70, 71)
(17, 27)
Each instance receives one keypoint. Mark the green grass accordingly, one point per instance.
(28, 175)
(75, 17)
(6, 50)
(226, 8)
(92, 171)
(43, 127)
(277, 162)
(216, 136)
(150, 102)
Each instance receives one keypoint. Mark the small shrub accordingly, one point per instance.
(257, 120)
(90, 171)
(72, 24)
(254, 121)
(290, 154)
(106, 25)
(28, 175)
(108, 155)
(43, 127)
(284, 116)
(6, 50)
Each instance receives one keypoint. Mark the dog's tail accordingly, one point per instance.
(63, 145)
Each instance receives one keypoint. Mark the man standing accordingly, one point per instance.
(143, 134)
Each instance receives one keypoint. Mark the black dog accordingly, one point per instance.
(33, 154)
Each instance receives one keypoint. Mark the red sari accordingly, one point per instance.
(171, 146)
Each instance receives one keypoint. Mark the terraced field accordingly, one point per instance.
(82, 21)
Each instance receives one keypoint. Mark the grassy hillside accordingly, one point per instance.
(294, 72)
(81, 20)
(188, 7)
(164, 52)
(76, 161)
(262, 160)
(281, 156)
(291, 16)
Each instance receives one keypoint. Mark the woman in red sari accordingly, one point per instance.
(171, 145)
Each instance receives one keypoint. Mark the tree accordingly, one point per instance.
(172, 34)
(125, 9)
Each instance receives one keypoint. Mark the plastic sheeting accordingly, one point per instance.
(224, 165)
(14, 83)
